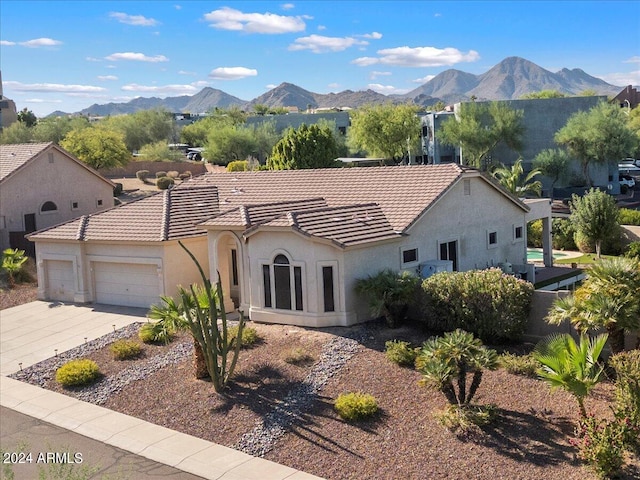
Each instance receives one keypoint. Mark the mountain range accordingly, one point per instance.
(508, 80)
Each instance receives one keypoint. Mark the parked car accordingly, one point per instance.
(630, 161)
(627, 180)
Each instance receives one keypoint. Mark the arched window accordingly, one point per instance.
(48, 206)
(278, 279)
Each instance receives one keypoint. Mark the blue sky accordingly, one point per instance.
(67, 55)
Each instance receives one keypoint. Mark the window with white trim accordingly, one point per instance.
(409, 256)
(74, 206)
(518, 233)
(282, 283)
(48, 207)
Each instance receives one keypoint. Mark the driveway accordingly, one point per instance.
(33, 332)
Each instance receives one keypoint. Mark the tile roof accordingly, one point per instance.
(168, 215)
(402, 192)
(14, 156)
(344, 226)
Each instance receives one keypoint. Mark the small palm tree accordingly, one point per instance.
(12, 262)
(511, 179)
(445, 362)
(570, 366)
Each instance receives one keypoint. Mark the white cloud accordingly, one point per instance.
(227, 18)
(138, 57)
(105, 78)
(418, 57)
(375, 74)
(322, 44)
(621, 79)
(271, 86)
(184, 72)
(232, 73)
(51, 87)
(161, 89)
(287, 6)
(42, 100)
(437, 15)
(334, 86)
(423, 79)
(7, 43)
(321, 28)
(93, 59)
(372, 35)
(386, 89)
(178, 7)
(137, 20)
(41, 42)
(635, 59)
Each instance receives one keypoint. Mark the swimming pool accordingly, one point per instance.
(534, 255)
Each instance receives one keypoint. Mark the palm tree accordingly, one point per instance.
(12, 262)
(511, 179)
(570, 366)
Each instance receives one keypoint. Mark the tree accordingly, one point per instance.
(141, 128)
(511, 179)
(599, 136)
(552, 163)
(633, 122)
(55, 129)
(543, 94)
(386, 131)
(261, 109)
(445, 362)
(229, 143)
(570, 366)
(478, 128)
(606, 300)
(97, 147)
(595, 215)
(17, 132)
(308, 146)
(27, 117)
(160, 151)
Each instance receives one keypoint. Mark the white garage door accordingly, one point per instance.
(60, 280)
(131, 285)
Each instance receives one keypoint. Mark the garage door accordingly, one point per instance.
(131, 285)
(60, 280)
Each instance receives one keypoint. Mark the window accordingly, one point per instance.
(327, 288)
(409, 255)
(99, 203)
(449, 251)
(74, 205)
(50, 156)
(492, 238)
(234, 267)
(518, 233)
(467, 186)
(278, 280)
(48, 206)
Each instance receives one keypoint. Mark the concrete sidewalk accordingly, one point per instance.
(31, 333)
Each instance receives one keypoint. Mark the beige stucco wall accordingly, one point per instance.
(62, 182)
(174, 265)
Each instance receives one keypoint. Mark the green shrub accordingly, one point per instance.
(164, 182)
(627, 394)
(400, 352)
(249, 336)
(173, 174)
(633, 250)
(465, 418)
(142, 175)
(125, 349)
(612, 245)
(534, 234)
(155, 332)
(77, 372)
(489, 303)
(161, 174)
(627, 216)
(356, 405)
(563, 232)
(525, 365)
(185, 175)
(389, 294)
(117, 190)
(601, 444)
(298, 356)
(238, 166)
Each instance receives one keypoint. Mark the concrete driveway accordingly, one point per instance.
(32, 332)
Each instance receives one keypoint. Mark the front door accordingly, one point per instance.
(30, 222)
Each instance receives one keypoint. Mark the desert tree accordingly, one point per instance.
(308, 146)
(552, 163)
(98, 147)
(595, 216)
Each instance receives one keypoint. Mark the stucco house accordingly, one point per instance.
(42, 185)
(290, 245)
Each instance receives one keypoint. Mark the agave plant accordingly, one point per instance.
(445, 362)
(570, 366)
(12, 262)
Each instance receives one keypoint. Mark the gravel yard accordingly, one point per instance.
(285, 413)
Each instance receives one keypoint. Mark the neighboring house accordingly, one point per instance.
(128, 255)
(8, 111)
(290, 245)
(42, 185)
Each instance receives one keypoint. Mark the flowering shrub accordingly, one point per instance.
(601, 444)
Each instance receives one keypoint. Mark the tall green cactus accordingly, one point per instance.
(208, 325)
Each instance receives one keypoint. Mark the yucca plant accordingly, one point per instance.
(571, 366)
(12, 262)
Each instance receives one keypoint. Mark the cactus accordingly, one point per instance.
(208, 325)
